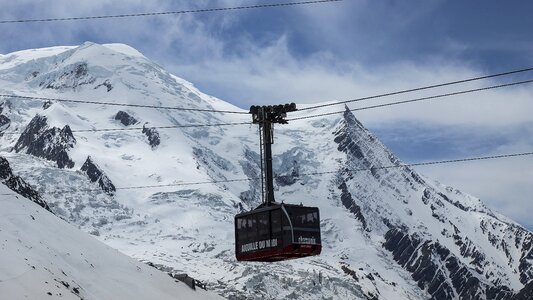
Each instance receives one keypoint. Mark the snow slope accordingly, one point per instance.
(43, 257)
(388, 233)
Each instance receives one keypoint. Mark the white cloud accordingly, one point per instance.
(272, 75)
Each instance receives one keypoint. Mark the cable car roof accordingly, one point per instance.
(272, 206)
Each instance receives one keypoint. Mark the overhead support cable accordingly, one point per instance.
(416, 99)
(301, 109)
(248, 123)
(141, 128)
(427, 163)
(123, 104)
(419, 88)
(166, 13)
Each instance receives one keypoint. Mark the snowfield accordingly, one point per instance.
(43, 257)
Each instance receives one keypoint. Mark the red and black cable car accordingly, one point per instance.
(275, 231)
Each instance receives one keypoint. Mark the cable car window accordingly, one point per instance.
(263, 226)
(275, 221)
(241, 229)
(304, 218)
(251, 229)
(312, 218)
(297, 219)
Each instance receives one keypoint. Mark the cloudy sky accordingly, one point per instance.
(339, 51)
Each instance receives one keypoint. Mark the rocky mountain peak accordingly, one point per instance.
(53, 143)
(96, 174)
(125, 118)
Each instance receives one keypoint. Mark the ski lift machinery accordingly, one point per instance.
(275, 231)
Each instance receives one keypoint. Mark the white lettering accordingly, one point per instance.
(259, 245)
(305, 240)
(249, 247)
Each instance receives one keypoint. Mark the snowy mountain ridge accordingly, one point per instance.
(388, 233)
(45, 258)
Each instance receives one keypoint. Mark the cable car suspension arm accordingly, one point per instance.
(266, 116)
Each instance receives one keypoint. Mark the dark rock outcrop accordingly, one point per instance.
(287, 180)
(48, 143)
(349, 203)
(526, 260)
(125, 118)
(70, 77)
(347, 137)
(288, 168)
(4, 122)
(526, 293)
(96, 174)
(431, 264)
(153, 136)
(47, 104)
(211, 160)
(18, 185)
(107, 84)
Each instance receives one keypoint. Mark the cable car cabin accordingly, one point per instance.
(277, 232)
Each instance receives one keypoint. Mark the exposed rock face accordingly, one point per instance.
(125, 118)
(211, 160)
(526, 293)
(286, 180)
(4, 122)
(292, 174)
(70, 77)
(349, 203)
(352, 273)
(107, 84)
(18, 185)
(287, 166)
(526, 261)
(153, 136)
(454, 262)
(47, 104)
(431, 264)
(48, 143)
(97, 175)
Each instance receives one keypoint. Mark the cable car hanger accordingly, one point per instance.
(266, 117)
(275, 231)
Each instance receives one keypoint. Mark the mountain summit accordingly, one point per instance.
(388, 232)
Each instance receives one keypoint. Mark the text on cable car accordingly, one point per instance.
(259, 245)
(306, 240)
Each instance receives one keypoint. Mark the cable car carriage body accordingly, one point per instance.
(275, 231)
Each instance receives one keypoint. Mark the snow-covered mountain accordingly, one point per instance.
(388, 233)
(42, 257)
